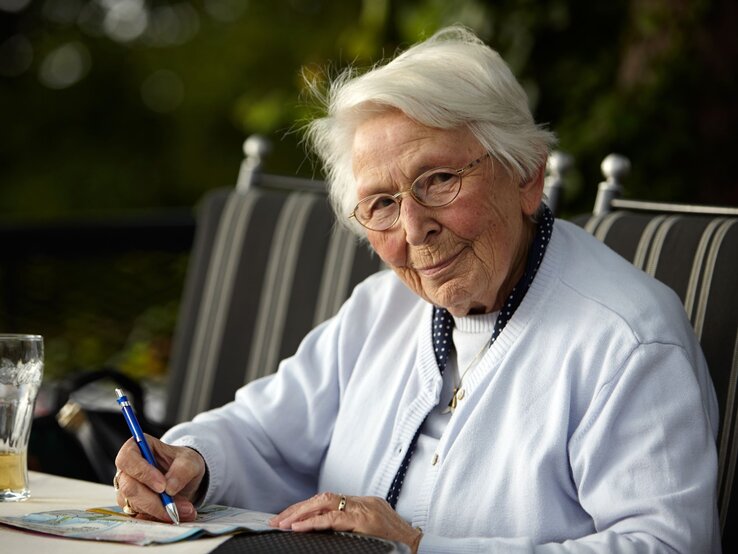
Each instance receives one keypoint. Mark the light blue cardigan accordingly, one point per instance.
(589, 426)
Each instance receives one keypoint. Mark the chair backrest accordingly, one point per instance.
(694, 250)
(268, 265)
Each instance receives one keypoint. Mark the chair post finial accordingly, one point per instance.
(614, 168)
(557, 164)
(255, 149)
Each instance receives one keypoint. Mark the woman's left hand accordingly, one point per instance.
(370, 515)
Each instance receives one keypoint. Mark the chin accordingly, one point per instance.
(458, 306)
(459, 302)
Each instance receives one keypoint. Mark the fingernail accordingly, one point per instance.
(186, 511)
(173, 484)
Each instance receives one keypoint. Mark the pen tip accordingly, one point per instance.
(173, 513)
(119, 392)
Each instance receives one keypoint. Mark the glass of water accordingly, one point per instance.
(21, 370)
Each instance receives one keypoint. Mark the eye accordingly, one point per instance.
(376, 206)
(380, 202)
(441, 178)
(437, 179)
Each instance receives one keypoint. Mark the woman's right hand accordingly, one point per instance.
(139, 483)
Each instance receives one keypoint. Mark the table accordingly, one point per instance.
(49, 492)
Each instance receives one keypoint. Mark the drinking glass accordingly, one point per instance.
(21, 370)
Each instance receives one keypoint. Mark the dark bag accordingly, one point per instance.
(82, 443)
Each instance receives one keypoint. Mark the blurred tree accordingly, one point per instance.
(112, 104)
(654, 80)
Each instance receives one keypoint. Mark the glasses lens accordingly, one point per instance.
(377, 212)
(437, 187)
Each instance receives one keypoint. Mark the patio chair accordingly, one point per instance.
(268, 264)
(694, 250)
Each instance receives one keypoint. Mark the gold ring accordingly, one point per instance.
(342, 504)
(128, 510)
(116, 485)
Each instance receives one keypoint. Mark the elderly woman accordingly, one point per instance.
(511, 385)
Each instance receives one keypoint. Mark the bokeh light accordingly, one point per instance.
(65, 66)
(125, 20)
(13, 6)
(172, 25)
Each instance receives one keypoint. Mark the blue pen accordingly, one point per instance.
(143, 446)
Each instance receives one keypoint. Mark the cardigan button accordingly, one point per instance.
(434, 460)
(460, 394)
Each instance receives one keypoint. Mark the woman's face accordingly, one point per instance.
(465, 256)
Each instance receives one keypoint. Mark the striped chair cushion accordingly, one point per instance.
(697, 256)
(267, 266)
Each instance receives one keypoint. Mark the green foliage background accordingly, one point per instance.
(652, 79)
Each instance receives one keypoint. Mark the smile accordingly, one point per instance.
(433, 270)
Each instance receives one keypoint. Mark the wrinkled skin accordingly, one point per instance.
(465, 256)
(363, 514)
(141, 482)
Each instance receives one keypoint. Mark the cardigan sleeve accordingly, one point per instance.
(644, 463)
(263, 450)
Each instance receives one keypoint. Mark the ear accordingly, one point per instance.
(531, 191)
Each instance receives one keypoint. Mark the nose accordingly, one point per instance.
(417, 221)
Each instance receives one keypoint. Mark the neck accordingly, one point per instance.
(517, 268)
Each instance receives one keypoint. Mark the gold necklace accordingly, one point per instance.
(458, 392)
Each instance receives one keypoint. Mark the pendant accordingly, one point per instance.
(453, 402)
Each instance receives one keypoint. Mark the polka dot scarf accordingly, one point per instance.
(443, 326)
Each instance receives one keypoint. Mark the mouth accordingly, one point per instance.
(435, 269)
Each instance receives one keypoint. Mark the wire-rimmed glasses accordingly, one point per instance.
(435, 188)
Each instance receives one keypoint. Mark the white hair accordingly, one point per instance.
(452, 80)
